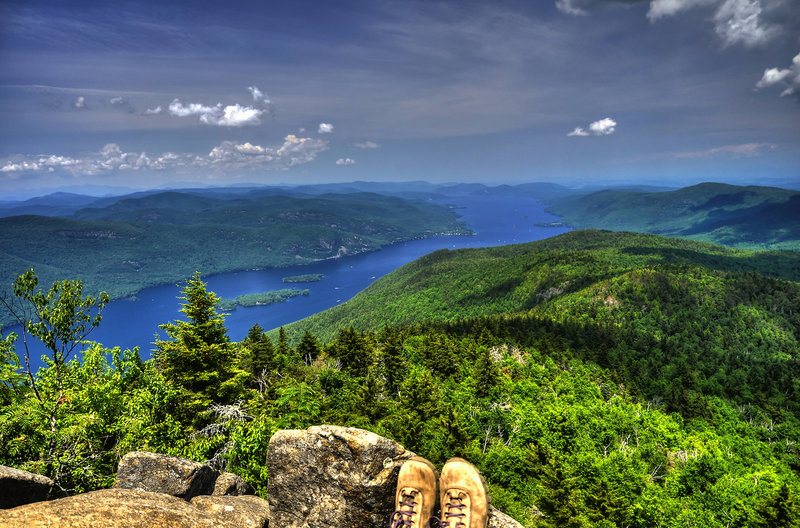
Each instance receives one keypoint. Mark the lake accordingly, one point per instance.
(496, 220)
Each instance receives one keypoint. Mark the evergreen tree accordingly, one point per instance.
(198, 356)
(486, 374)
(353, 350)
(309, 348)
(394, 361)
(262, 352)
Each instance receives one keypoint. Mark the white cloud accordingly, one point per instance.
(116, 100)
(741, 22)
(345, 161)
(234, 115)
(325, 128)
(226, 156)
(258, 95)
(178, 109)
(664, 8)
(569, 7)
(789, 77)
(79, 102)
(367, 145)
(297, 150)
(602, 127)
(153, 111)
(578, 132)
(747, 150)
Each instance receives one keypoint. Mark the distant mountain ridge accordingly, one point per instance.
(748, 217)
(163, 237)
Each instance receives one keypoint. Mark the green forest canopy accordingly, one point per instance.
(615, 379)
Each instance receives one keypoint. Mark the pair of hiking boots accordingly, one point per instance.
(461, 494)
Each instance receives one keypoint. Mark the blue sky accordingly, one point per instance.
(144, 94)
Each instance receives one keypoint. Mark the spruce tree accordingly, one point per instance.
(198, 356)
(486, 374)
(262, 352)
(309, 348)
(394, 362)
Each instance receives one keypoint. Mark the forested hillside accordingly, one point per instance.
(610, 379)
(162, 238)
(450, 284)
(748, 217)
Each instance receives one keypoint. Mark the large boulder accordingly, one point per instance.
(19, 487)
(127, 508)
(158, 473)
(329, 476)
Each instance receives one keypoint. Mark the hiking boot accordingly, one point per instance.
(463, 496)
(416, 494)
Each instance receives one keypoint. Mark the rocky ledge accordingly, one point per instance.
(321, 477)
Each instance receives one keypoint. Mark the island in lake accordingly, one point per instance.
(260, 299)
(308, 277)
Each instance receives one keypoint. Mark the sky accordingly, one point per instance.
(95, 95)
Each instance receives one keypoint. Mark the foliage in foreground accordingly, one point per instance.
(586, 409)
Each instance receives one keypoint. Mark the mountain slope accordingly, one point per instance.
(636, 377)
(447, 285)
(749, 217)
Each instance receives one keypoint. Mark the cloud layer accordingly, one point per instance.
(226, 156)
(746, 150)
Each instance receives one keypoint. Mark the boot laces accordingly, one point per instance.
(453, 510)
(406, 511)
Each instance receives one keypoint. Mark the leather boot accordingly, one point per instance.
(416, 494)
(463, 496)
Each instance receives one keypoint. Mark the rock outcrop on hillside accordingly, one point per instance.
(321, 477)
(338, 476)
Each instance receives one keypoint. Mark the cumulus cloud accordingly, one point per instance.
(367, 145)
(746, 150)
(79, 102)
(153, 111)
(117, 100)
(234, 115)
(325, 128)
(345, 161)
(226, 156)
(602, 127)
(789, 77)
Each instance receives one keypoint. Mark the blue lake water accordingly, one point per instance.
(495, 220)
